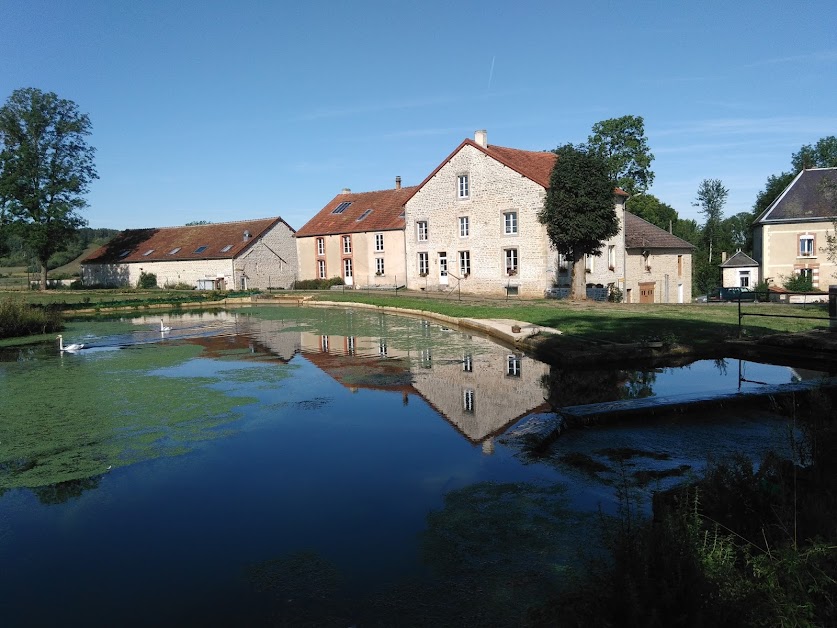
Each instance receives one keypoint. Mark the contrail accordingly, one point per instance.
(491, 72)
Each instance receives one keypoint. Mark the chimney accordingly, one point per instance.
(723, 256)
(346, 191)
(481, 138)
(397, 183)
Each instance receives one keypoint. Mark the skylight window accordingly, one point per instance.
(342, 207)
(124, 254)
(364, 215)
(148, 252)
(201, 249)
(174, 251)
(226, 248)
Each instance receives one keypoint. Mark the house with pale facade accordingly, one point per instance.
(739, 271)
(240, 255)
(358, 236)
(472, 225)
(790, 235)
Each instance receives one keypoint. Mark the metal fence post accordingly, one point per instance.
(832, 307)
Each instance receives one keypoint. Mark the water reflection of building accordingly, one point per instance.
(480, 390)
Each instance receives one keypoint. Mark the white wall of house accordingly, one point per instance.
(782, 254)
(738, 276)
(494, 190)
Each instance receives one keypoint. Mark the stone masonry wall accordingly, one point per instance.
(661, 268)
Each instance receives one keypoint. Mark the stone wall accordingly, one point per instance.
(671, 279)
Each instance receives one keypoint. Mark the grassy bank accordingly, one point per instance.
(18, 318)
(613, 322)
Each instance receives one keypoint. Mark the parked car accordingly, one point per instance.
(731, 294)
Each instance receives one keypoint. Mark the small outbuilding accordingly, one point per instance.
(238, 255)
(740, 271)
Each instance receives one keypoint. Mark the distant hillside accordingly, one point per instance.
(13, 252)
(74, 267)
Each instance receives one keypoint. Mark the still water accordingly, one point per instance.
(281, 466)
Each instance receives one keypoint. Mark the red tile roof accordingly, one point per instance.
(158, 244)
(534, 165)
(387, 208)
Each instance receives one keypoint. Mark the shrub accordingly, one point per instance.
(317, 284)
(798, 283)
(147, 280)
(21, 319)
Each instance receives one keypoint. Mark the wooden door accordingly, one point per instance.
(646, 292)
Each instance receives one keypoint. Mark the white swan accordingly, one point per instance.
(71, 348)
(163, 329)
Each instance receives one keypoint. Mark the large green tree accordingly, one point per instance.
(623, 145)
(823, 154)
(579, 211)
(650, 208)
(46, 166)
(711, 198)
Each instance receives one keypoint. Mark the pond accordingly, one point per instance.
(284, 466)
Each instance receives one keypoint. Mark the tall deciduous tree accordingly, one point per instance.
(622, 143)
(711, 198)
(46, 166)
(650, 208)
(578, 210)
(823, 154)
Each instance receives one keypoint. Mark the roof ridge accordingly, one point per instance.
(213, 224)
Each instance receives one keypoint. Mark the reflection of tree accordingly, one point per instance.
(573, 387)
(65, 491)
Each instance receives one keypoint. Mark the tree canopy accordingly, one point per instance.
(650, 208)
(823, 154)
(711, 198)
(578, 210)
(46, 166)
(623, 145)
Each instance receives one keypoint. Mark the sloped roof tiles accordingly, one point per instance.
(387, 207)
(222, 241)
(641, 234)
(810, 196)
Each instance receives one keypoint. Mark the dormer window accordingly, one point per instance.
(175, 251)
(463, 189)
(201, 249)
(148, 252)
(226, 248)
(341, 207)
(364, 215)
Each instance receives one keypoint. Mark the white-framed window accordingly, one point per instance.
(806, 245)
(379, 241)
(382, 348)
(511, 261)
(563, 262)
(347, 245)
(588, 263)
(379, 265)
(321, 269)
(463, 187)
(424, 263)
(464, 227)
(611, 257)
(513, 366)
(426, 358)
(347, 267)
(324, 344)
(744, 278)
(320, 246)
(421, 230)
(464, 263)
(350, 345)
(468, 363)
(510, 223)
(468, 400)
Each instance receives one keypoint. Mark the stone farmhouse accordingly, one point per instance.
(357, 236)
(472, 225)
(222, 256)
(790, 235)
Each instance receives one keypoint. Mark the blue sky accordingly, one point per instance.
(206, 110)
